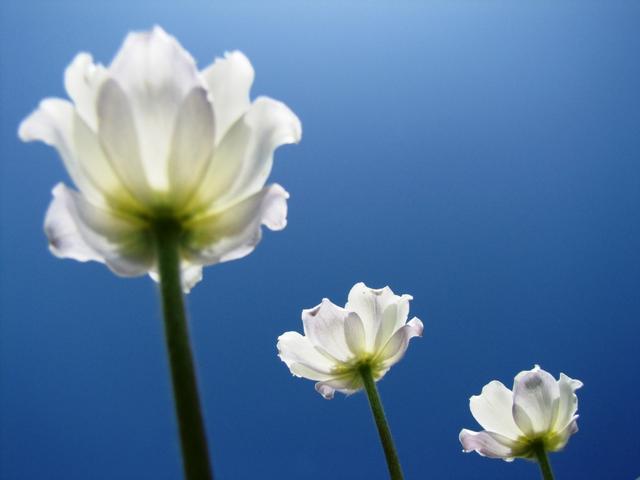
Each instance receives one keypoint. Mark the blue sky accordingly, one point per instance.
(481, 156)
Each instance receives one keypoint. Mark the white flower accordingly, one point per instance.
(539, 411)
(151, 138)
(371, 330)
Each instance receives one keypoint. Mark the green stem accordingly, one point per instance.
(195, 455)
(393, 463)
(543, 461)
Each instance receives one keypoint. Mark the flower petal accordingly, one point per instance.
(82, 80)
(354, 334)
(118, 135)
(487, 444)
(343, 385)
(559, 440)
(397, 345)
(190, 275)
(324, 326)
(535, 401)
(568, 404)
(492, 409)
(242, 161)
(229, 81)
(235, 232)
(55, 123)
(370, 304)
(191, 146)
(156, 74)
(394, 317)
(295, 349)
(79, 230)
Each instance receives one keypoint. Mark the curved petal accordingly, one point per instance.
(235, 232)
(568, 404)
(82, 80)
(55, 123)
(295, 349)
(535, 401)
(190, 275)
(487, 444)
(492, 410)
(324, 326)
(229, 81)
(397, 345)
(370, 304)
(354, 334)
(79, 230)
(560, 438)
(343, 385)
(119, 138)
(191, 145)
(242, 161)
(394, 317)
(156, 74)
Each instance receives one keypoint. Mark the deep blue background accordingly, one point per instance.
(483, 156)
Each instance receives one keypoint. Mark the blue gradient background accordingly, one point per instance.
(480, 155)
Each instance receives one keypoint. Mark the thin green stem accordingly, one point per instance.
(195, 455)
(543, 461)
(393, 463)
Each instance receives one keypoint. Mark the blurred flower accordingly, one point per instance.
(151, 139)
(371, 330)
(540, 412)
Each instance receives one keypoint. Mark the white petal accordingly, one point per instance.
(82, 80)
(235, 232)
(229, 81)
(487, 444)
(370, 304)
(568, 404)
(342, 385)
(295, 349)
(397, 345)
(394, 317)
(325, 390)
(118, 136)
(55, 123)
(535, 401)
(79, 230)
(191, 146)
(242, 161)
(493, 410)
(305, 371)
(324, 325)
(560, 439)
(190, 275)
(156, 74)
(354, 334)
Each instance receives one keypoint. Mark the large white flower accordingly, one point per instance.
(371, 330)
(539, 412)
(152, 139)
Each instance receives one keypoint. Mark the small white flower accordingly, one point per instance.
(539, 411)
(370, 330)
(151, 138)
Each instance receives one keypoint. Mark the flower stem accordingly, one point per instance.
(195, 455)
(543, 461)
(393, 463)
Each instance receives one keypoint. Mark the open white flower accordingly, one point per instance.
(152, 139)
(539, 413)
(371, 330)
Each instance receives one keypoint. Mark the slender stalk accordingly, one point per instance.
(195, 455)
(543, 461)
(393, 463)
